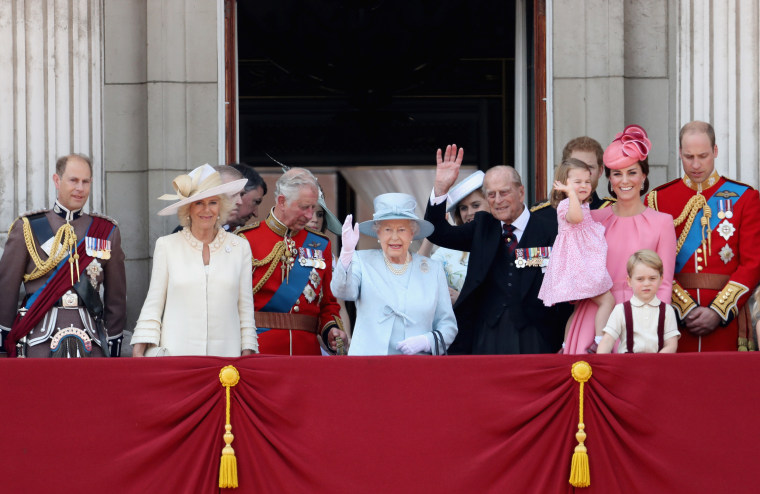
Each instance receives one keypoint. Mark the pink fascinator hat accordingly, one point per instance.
(627, 148)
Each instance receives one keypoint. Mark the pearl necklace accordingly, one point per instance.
(395, 270)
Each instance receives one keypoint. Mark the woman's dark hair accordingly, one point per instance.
(644, 164)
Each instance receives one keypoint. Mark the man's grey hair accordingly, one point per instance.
(290, 183)
(498, 169)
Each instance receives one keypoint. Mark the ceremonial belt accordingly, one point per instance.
(282, 320)
(56, 285)
(702, 281)
(712, 281)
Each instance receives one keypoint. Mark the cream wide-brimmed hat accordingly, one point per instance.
(396, 206)
(464, 188)
(199, 184)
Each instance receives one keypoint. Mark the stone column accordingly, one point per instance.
(50, 95)
(719, 79)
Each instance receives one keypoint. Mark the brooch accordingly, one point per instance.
(726, 254)
(93, 271)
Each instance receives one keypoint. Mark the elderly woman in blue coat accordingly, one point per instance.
(402, 299)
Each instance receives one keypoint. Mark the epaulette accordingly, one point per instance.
(607, 201)
(316, 232)
(540, 205)
(28, 214)
(739, 183)
(99, 215)
(239, 231)
(668, 184)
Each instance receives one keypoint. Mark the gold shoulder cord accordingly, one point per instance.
(688, 214)
(277, 251)
(64, 242)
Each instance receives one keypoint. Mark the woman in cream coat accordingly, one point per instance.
(402, 299)
(200, 300)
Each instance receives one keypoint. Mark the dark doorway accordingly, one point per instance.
(385, 82)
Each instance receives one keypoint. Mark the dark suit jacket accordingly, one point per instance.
(476, 308)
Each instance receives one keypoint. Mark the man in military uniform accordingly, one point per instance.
(718, 261)
(292, 269)
(64, 257)
(589, 151)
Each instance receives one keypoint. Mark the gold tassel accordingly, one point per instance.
(579, 471)
(228, 376)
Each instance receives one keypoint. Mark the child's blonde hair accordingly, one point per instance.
(561, 174)
(646, 257)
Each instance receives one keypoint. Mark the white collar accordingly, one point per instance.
(521, 221)
(636, 302)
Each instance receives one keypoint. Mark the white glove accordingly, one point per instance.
(414, 345)
(350, 237)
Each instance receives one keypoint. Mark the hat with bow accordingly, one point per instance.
(199, 184)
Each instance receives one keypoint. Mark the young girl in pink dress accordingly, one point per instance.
(578, 264)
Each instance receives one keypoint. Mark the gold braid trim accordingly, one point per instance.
(64, 242)
(688, 214)
(652, 200)
(277, 251)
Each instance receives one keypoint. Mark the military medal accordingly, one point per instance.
(726, 254)
(97, 248)
(532, 257)
(726, 229)
(93, 271)
(721, 209)
(729, 209)
(314, 278)
(309, 293)
(311, 258)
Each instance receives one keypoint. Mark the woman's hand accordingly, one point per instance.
(414, 345)
(350, 237)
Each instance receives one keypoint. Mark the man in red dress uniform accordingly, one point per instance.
(717, 222)
(292, 269)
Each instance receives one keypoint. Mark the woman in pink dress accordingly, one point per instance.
(629, 226)
(578, 265)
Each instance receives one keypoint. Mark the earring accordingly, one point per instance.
(642, 186)
(378, 240)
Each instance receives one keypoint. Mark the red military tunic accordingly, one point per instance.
(303, 290)
(719, 269)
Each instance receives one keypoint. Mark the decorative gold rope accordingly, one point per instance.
(64, 242)
(277, 251)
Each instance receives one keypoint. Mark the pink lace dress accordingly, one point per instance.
(625, 235)
(578, 264)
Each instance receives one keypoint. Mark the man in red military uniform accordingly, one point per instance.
(717, 222)
(292, 269)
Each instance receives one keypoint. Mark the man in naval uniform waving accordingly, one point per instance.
(64, 257)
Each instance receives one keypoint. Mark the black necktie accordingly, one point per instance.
(510, 239)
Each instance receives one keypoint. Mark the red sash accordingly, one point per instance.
(55, 287)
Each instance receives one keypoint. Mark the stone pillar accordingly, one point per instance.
(611, 68)
(719, 79)
(50, 95)
(161, 115)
